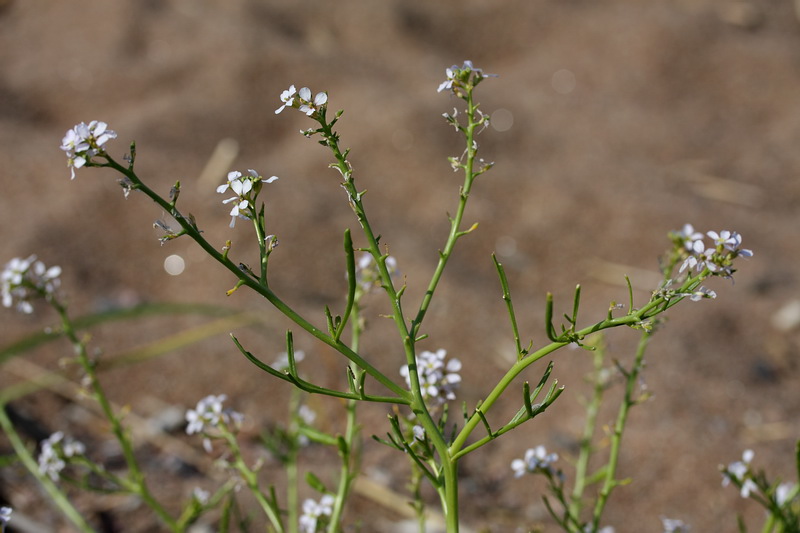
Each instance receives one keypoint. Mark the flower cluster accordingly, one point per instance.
(460, 77)
(717, 258)
(24, 280)
(367, 273)
(313, 511)
(209, 415)
(535, 460)
(84, 141)
(738, 471)
(55, 449)
(246, 189)
(302, 100)
(438, 380)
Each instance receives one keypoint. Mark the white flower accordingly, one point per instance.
(209, 412)
(54, 450)
(310, 105)
(674, 526)
(24, 280)
(312, 511)
(287, 97)
(367, 273)
(735, 241)
(437, 380)
(724, 238)
(689, 236)
(245, 188)
(5, 516)
(702, 258)
(200, 495)
(306, 414)
(783, 493)
(282, 361)
(535, 459)
(84, 141)
(419, 432)
(738, 470)
(457, 76)
(701, 293)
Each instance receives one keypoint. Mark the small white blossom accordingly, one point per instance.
(689, 236)
(724, 238)
(783, 493)
(209, 412)
(5, 516)
(313, 510)
(419, 432)
(54, 450)
(84, 141)
(701, 293)
(282, 361)
(738, 470)
(306, 414)
(309, 105)
(438, 380)
(457, 75)
(536, 459)
(735, 241)
(287, 97)
(367, 273)
(200, 495)
(245, 189)
(24, 280)
(674, 526)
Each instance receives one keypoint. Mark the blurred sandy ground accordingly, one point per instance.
(615, 123)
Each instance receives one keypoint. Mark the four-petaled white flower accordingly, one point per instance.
(287, 97)
(54, 450)
(313, 510)
(724, 238)
(245, 188)
(536, 459)
(309, 105)
(438, 380)
(24, 280)
(84, 141)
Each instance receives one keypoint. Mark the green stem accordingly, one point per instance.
(246, 279)
(348, 455)
(609, 481)
(58, 497)
(137, 483)
(251, 480)
(582, 465)
(653, 308)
